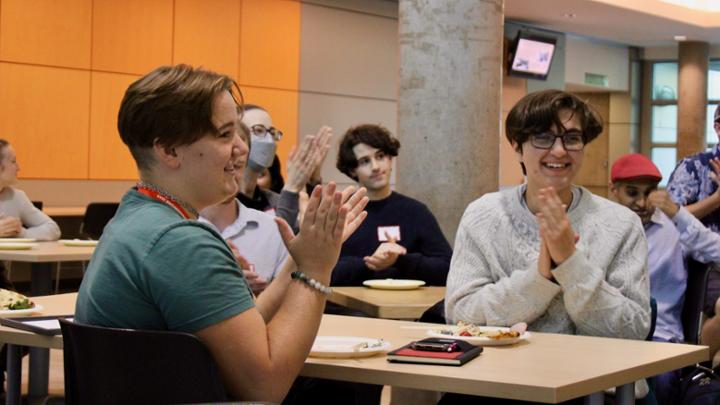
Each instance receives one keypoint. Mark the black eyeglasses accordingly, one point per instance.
(260, 130)
(571, 141)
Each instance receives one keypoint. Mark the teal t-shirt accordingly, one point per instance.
(155, 270)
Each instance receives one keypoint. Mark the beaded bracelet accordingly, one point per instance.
(299, 275)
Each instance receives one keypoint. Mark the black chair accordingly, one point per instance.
(434, 314)
(38, 204)
(126, 366)
(692, 315)
(97, 215)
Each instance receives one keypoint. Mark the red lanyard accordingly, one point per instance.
(159, 197)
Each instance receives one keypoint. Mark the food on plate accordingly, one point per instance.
(10, 300)
(469, 329)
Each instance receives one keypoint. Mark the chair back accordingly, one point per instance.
(692, 314)
(434, 314)
(127, 366)
(97, 215)
(38, 204)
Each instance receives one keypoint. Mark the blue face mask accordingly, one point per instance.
(262, 153)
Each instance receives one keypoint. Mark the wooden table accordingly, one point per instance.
(547, 368)
(388, 304)
(41, 259)
(64, 211)
(61, 304)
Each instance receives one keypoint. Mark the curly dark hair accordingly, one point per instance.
(373, 135)
(538, 112)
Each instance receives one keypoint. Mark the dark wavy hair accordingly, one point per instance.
(276, 179)
(171, 106)
(538, 112)
(373, 135)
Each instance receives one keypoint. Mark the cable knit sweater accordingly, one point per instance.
(601, 290)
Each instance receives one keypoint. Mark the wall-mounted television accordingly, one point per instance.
(532, 56)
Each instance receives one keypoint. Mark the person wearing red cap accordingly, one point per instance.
(672, 234)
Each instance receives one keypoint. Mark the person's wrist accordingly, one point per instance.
(562, 257)
(291, 188)
(316, 272)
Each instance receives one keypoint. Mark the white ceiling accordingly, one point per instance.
(634, 22)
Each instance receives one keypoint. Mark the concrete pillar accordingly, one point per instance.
(693, 59)
(449, 103)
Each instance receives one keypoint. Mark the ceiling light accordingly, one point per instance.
(680, 38)
(703, 5)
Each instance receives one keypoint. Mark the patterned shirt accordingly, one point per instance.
(690, 182)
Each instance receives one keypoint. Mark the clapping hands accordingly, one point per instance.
(331, 217)
(257, 283)
(556, 233)
(385, 255)
(661, 199)
(305, 162)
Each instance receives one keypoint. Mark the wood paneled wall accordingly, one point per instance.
(65, 65)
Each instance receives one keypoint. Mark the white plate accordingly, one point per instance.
(394, 284)
(17, 240)
(345, 347)
(78, 242)
(9, 313)
(17, 246)
(479, 340)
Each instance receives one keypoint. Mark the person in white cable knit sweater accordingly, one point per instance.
(547, 252)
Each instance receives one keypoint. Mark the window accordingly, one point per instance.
(663, 114)
(713, 100)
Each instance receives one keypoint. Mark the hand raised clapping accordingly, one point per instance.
(330, 218)
(385, 255)
(661, 199)
(555, 228)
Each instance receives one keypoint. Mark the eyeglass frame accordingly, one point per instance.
(275, 133)
(562, 140)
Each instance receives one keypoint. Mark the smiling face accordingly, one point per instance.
(373, 170)
(556, 166)
(634, 195)
(210, 165)
(9, 167)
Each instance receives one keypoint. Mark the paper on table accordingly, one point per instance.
(48, 324)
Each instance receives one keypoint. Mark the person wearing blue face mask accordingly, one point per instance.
(303, 165)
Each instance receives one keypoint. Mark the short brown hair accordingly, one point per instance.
(538, 112)
(171, 106)
(373, 135)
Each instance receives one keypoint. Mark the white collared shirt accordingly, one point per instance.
(257, 237)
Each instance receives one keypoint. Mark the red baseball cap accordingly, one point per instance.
(634, 166)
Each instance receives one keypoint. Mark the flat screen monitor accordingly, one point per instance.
(532, 56)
